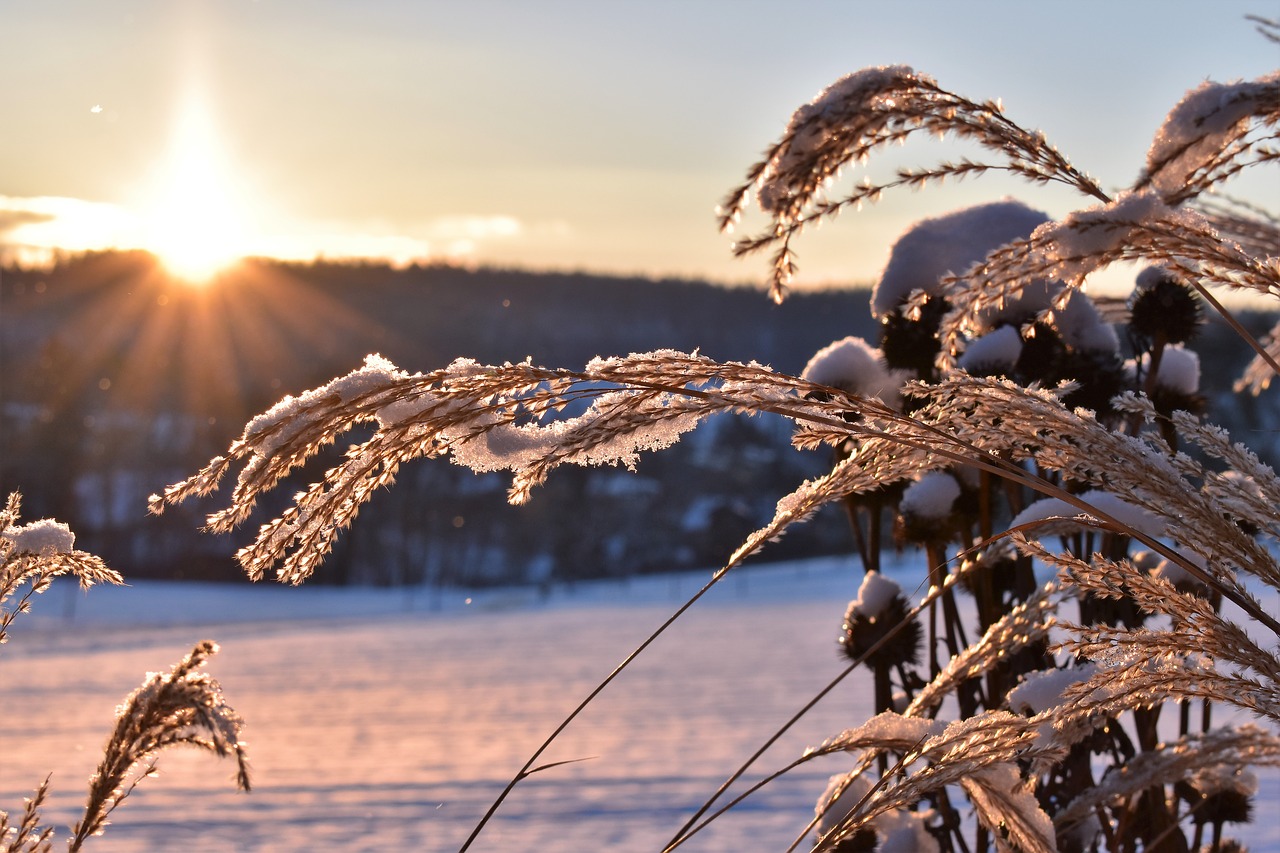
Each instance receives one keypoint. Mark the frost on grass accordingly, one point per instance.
(1209, 122)
(1055, 515)
(274, 428)
(488, 418)
(184, 706)
(822, 124)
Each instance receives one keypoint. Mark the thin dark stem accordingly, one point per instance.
(528, 767)
(689, 828)
(684, 831)
(1236, 326)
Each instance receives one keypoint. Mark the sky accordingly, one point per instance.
(594, 135)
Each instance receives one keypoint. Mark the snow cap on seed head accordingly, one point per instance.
(994, 353)
(948, 245)
(853, 365)
(874, 595)
(932, 497)
(45, 537)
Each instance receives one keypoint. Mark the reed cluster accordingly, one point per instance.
(1047, 455)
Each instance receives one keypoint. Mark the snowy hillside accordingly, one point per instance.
(389, 719)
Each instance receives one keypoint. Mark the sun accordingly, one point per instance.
(194, 219)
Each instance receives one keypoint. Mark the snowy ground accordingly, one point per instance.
(389, 720)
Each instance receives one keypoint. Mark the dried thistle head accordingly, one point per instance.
(933, 508)
(877, 625)
(909, 337)
(1163, 309)
(1219, 795)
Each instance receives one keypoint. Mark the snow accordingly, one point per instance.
(853, 365)
(931, 497)
(996, 351)
(1082, 326)
(1149, 278)
(1179, 370)
(875, 594)
(889, 727)
(1126, 513)
(838, 800)
(1199, 126)
(949, 244)
(45, 537)
(1216, 780)
(285, 417)
(1083, 241)
(1040, 691)
(905, 832)
(898, 831)
(389, 719)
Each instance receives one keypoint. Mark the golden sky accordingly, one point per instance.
(583, 134)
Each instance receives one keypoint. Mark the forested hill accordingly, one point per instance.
(326, 317)
(119, 380)
(432, 315)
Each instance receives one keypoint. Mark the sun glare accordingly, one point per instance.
(194, 220)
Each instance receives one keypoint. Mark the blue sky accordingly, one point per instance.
(569, 135)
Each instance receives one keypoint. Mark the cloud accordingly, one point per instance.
(396, 250)
(459, 238)
(13, 219)
(450, 238)
(35, 229)
(473, 227)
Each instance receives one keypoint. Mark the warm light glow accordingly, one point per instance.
(194, 221)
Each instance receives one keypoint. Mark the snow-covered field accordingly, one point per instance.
(390, 719)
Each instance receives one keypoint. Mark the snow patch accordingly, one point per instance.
(904, 831)
(853, 365)
(45, 537)
(1179, 369)
(1124, 512)
(931, 497)
(1040, 691)
(997, 351)
(875, 595)
(949, 245)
